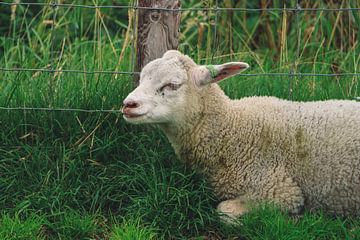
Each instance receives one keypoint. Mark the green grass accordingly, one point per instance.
(132, 230)
(74, 175)
(267, 222)
(15, 228)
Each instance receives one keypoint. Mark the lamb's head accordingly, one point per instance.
(171, 87)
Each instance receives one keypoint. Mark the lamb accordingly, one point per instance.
(299, 155)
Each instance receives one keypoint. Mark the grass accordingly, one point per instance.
(132, 230)
(16, 228)
(75, 175)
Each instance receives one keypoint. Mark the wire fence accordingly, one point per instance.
(292, 74)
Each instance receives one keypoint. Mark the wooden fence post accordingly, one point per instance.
(157, 30)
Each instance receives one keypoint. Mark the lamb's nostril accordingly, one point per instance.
(131, 104)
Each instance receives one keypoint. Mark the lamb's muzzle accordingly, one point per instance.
(131, 108)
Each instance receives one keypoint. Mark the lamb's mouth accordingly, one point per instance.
(133, 115)
(128, 114)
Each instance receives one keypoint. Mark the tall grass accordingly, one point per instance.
(75, 175)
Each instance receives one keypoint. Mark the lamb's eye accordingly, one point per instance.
(170, 86)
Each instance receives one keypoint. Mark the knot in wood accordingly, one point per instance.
(155, 16)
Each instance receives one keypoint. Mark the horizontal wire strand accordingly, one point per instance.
(64, 5)
(45, 109)
(65, 71)
(137, 73)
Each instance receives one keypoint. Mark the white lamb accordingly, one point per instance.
(257, 149)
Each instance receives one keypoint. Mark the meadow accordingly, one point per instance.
(89, 175)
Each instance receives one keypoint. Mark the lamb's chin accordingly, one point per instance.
(136, 119)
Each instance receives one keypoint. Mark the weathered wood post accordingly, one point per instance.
(157, 30)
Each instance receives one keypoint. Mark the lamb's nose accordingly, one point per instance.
(131, 104)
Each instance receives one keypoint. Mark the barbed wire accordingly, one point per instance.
(65, 5)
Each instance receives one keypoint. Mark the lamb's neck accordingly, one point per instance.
(188, 137)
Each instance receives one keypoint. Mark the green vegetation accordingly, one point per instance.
(132, 231)
(78, 175)
(15, 228)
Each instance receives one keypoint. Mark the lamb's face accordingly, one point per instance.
(160, 95)
(171, 87)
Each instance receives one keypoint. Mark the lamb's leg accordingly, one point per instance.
(281, 189)
(276, 187)
(231, 209)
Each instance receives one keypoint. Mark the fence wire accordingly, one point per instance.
(64, 5)
(292, 74)
(137, 73)
(59, 109)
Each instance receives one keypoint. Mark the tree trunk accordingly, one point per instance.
(157, 30)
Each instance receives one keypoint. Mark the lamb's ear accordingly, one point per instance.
(203, 75)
